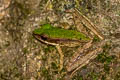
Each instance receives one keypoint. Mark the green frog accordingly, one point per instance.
(58, 37)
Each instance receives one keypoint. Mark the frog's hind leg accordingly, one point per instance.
(61, 56)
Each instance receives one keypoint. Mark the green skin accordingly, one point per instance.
(59, 33)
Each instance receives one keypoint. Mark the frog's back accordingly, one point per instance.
(55, 32)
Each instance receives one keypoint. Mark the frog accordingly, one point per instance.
(56, 36)
(59, 37)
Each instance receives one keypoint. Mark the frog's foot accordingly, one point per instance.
(61, 56)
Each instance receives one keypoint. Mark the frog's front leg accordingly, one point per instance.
(61, 56)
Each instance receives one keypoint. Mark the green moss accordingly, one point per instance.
(45, 74)
(25, 50)
(44, 58)
(49, 48)
(106, 68)
(106, 58)
(103, 77)
(93, 75)
(96, 39)
(77, 77)
(103, 58)
(54, 32)
(106, 46)
(54, 66)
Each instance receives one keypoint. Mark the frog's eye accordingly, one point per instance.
(40, 37)
(43, 37)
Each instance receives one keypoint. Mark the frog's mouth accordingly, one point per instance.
(45, 39)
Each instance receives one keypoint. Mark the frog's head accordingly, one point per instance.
(43, 28)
